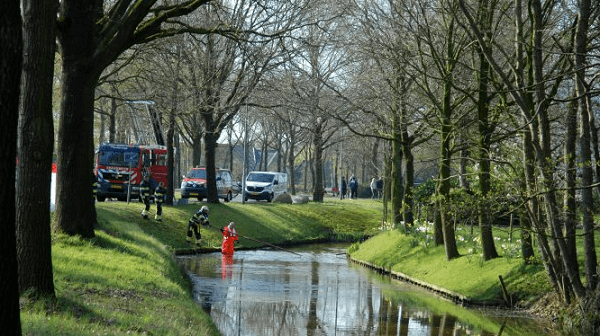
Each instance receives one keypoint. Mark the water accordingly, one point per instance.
(271, 292)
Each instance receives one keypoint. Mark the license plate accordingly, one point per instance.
(117, 186)
(193, 194)
(255, 193)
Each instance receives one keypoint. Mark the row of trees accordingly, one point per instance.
(509, 86)
(91, 36)
(502, 89)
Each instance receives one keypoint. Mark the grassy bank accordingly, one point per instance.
(125, 281)
(415, 256)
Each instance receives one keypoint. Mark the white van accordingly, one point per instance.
(265, 185)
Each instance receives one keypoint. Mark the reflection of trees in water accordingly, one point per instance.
(270, 297)
(311, 325)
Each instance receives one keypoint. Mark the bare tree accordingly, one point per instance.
(534, 106)
(91, 36)
(230, 69)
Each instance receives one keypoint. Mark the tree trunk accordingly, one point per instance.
(10, 75)
(318, 174)
(438, 227)
(74, 208)
(35, 147)
(570, 155)
(75, 213)
(197, 149)
(170, 160)
(210, 150)
(112, 125)
(544, 155)
(595, 150)
(172, 126)
(290, 160)
(443, 190)
(587, 175)
(374, 160)
(528, 153)
(409, 170)
(484, 139)
(409, 181)
(396, 170)
(462, 170)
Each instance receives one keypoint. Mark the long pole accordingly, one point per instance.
(269, 244)
(244, 172)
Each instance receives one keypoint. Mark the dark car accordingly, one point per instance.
(194, 184)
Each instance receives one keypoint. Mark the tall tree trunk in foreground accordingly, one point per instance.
(10, 75)
(35, 145)
(91, 35)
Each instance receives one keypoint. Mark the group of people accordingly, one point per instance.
(200, 218)
(147, 193)
(353, 184)
(376, 188)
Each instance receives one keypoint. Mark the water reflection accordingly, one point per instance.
(317, 293)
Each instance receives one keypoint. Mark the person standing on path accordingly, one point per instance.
(373, 188)
(353, 187)
(344, 187)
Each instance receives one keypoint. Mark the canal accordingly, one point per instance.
(319, 292)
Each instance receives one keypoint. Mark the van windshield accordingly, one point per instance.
(253, 177)
(197, 173)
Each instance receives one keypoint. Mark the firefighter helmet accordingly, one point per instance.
(204, 209)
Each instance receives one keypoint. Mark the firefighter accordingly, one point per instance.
(159, 194)
(199, 218)
(230, 236)
(146, 193)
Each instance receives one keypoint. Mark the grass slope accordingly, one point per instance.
(122, 282)
(468, 275)
(125, 281)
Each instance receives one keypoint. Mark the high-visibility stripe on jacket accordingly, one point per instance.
(145, 189)
(159, 195)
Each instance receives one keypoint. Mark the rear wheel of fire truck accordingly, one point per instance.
(101, 198)
(200, 199)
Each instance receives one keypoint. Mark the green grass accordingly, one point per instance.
(126, 281)
(415, 256)
(122, 282)
(271, 222)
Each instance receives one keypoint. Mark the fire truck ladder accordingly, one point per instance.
(147, 130)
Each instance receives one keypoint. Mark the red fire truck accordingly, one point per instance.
(120, 169)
